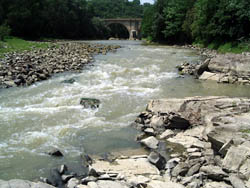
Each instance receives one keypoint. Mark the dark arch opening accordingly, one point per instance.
(118, 30)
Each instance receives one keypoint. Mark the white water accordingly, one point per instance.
(46, 115)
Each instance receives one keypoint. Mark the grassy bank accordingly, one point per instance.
(229, 47)
(19, 45)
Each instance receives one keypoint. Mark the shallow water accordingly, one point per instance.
(48, 115)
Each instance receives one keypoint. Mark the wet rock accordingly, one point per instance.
(88, 179)
(55, 153)
(70, 81)
(63, 169)
(66, 178)
(92, 172)
(90, 103)
(55, 178)
(150, 142)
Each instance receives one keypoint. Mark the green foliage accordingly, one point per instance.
(17, 44)
(208, 22)
(4, 31)
(148, 21)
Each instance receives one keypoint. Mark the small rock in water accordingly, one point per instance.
(90, 103)
(151, 142)
(56, 153)
(70, 81)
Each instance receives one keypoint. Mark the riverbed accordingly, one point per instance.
(48, 114)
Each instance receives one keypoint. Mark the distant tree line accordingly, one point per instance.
(72, 19)
(201, 21)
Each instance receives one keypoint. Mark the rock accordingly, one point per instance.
(92, 172)
(111, 184)
(150, 131)
(15, 183)
(223, 150)
(156, 159)
(63, 169)
(70, 81)
(138, 181)
(236, 158)
(236, 182)
(150, 142)
(203, 67)
(55, 178)
(180, 169)
(167, 134)
(217, 185)
(194, 169)
(194, 185)
(127, 167)
(172, 163)
(104, 177)
(82, 186)
(72, 183)
(88, 179)
(214, 172)
(90, 103)
(210, 76)
(160, 184)
(66, 178)
(55, 153)
(177, 122)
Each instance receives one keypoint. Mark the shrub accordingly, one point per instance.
(4, 31)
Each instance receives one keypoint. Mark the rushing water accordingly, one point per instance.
(48, 115)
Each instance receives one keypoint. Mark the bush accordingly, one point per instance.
(4, 31)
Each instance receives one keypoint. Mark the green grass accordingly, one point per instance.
(228, 47)
(19, 45)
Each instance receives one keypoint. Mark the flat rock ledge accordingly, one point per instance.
(26, 68)
(222, 68)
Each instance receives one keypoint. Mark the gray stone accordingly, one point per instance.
(150, 131)
(177, 122)
(235, 158)
(223, 150)
(63, 169)
(72, 183)
(88, 179)
(66, 178)
(138, 181)
(90, 103)
(172, 163)
(93, 185)
(214, 172)
(180, 169)
(167, 134)
(55, 153)
(92, 172)
(15, 183)
(194, 169)
(209, 76)
(236, 182)
(217, 185)
(111, 184)
(160, 184)
(150, 142)
(158, 160)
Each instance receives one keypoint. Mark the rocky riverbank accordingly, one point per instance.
(208, 139)
(222, 68)
(26, 68)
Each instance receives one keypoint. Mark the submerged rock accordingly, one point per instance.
(70, 81)
(90, 103)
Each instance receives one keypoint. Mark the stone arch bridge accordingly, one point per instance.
(133, 25)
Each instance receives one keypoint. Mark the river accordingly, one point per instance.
(48, 115)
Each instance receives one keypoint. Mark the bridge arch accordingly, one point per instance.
(121, 29)
(133, 25)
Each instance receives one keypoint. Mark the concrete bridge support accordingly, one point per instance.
(133, 25)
